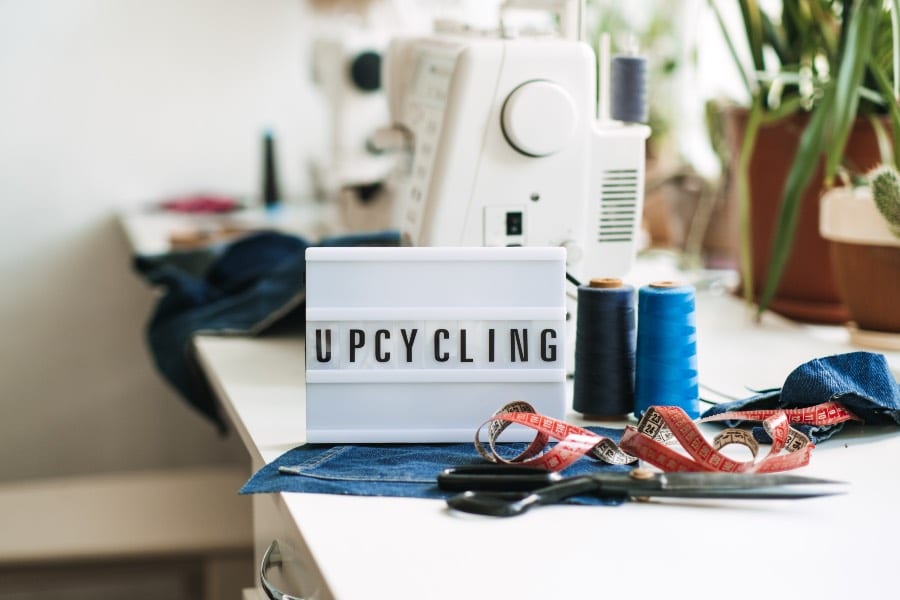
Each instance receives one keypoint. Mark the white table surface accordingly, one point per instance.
(836, 547)
(148, 229)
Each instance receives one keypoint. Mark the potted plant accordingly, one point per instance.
(862, 226)
(822, 109)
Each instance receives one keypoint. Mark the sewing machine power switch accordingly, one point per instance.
(504, 225)
(513, 223)
(539, 118)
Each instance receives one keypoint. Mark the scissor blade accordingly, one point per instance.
(734, 481)
(780, 493)
(714, 485)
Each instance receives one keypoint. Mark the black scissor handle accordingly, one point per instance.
(497, 478)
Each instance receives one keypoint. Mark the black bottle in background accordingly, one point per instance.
(271, 191)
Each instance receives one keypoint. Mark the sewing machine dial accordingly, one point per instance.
(539, 118)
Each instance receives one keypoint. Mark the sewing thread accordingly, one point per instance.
(666, 363)
(629, 101)
(604, 349)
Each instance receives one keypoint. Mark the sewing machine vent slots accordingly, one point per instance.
(618, 219)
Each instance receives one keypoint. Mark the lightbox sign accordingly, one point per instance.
(423, 344)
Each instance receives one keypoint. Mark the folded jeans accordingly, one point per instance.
(860, 381)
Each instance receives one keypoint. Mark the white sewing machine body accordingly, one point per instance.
(342, 63)
(506, 149)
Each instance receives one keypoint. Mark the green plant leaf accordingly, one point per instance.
(743, 181)
(895, 48)
(786, 109)
(801, 172)
(851, 70)
(776, 40)
(847, 7)
(884, 86)
(750, 85)
(753, 25)
(795, 21)
(823, 23)
(835, 114)
(885, 149)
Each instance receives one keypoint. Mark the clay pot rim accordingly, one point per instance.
(849, 215)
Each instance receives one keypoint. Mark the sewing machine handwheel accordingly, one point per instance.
(539, 118)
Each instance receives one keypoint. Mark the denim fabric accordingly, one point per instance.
(253, 283)
(407, 470)
(861, 381)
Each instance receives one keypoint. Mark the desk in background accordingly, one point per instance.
(149, 231)
(361, 547)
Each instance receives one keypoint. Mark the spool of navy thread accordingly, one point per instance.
(628, 83)
(604, 349)
(666, 359)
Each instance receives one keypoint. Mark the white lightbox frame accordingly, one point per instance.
(402, 392)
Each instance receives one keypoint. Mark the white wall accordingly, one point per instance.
(106, 104)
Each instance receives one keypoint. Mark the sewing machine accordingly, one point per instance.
(346, 61)
(505, 148)
(346, 58)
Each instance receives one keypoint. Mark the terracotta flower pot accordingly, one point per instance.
(808, 291)
(866, 260)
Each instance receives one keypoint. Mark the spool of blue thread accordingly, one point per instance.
(604, 349)
(666, 362)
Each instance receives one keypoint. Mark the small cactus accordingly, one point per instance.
(885, 182)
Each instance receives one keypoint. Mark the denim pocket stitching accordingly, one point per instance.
(362, 478)
(305, 468)
(325, 456)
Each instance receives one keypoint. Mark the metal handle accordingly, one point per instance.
(272, 558)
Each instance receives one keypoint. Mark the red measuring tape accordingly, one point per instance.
(654, 438)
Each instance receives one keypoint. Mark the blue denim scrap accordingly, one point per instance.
(404, 470)
(860, 381)
(243, 290)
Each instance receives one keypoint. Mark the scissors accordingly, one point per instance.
(488, 494)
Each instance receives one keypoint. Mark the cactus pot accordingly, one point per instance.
(865, 258)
